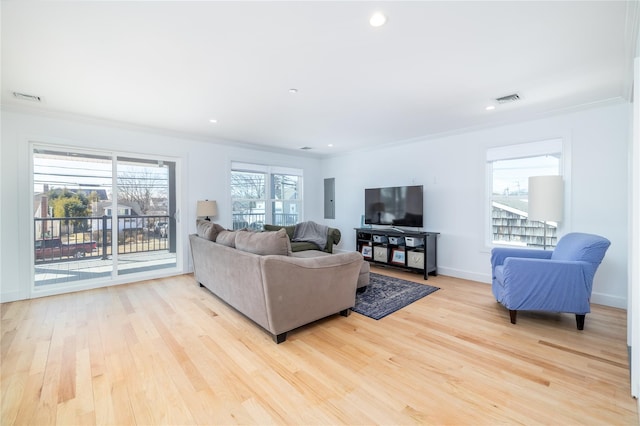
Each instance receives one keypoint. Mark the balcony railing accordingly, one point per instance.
(255, 221)
(68, 238)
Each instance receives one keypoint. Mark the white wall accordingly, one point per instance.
(633, 315)
(205, 175)
(452, 170)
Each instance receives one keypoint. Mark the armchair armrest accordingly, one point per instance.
(499, 254)
(550, 285)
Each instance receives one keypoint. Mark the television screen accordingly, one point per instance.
(396, 206)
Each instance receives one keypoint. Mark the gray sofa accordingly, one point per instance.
(255, 273)
(333, 237)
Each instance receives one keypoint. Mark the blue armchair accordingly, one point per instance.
(557, 281)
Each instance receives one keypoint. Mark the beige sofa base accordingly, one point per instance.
(282, 337)
(279, 293)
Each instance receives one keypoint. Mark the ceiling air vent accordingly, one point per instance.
(509, 98)
(26, 97)
(306, 148)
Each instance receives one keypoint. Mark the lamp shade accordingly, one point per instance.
(206, 208)
(546, 198)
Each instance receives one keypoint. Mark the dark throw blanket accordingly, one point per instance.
(311, 232)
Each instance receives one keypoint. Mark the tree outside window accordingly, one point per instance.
(253, 205)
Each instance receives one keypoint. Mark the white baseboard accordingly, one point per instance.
(608, 300)
(11, 296)
(465, 275)
(598, 298)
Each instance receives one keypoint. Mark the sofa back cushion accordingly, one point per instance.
(264, 243)
(208, 230)
(289, 229)
(227, 238)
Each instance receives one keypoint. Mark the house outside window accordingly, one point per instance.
(265, 194)
(508, 171)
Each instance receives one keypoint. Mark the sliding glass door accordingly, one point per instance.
(98, 216)
(145, 215)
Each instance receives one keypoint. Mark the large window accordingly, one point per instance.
(99, 215)
(265, 194)
(508, 171)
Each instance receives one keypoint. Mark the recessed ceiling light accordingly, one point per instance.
(293, 90)
(213, 120)
(377, 19)
(330, 145)
(490, 108)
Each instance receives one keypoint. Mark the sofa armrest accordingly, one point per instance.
(333, 237)
(302, 290)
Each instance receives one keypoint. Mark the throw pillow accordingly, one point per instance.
(227, 238)
(264, 243)
(208, 230)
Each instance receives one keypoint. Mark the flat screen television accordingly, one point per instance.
(395, 206)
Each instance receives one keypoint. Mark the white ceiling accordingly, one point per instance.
(432, 69)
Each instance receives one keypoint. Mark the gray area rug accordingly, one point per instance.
(385, 295)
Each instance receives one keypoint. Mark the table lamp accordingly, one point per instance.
(206, 208)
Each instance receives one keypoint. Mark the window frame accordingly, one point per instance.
(116, 276)
(550, 146)
(269, 197)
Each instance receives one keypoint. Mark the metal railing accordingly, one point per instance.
(256, 221)
(68, 238)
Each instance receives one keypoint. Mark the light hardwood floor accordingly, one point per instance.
(169, 352)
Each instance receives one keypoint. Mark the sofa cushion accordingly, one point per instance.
(305, 254)
(207, 229)
(302, 246)
(289, 229)
(264, 243)
(227, 238)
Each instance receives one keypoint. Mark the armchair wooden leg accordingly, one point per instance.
(512, 315)
(346, 312)
(580, 321)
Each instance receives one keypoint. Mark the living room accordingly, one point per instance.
(450, 165)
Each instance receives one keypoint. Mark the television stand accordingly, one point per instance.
(414, 251)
